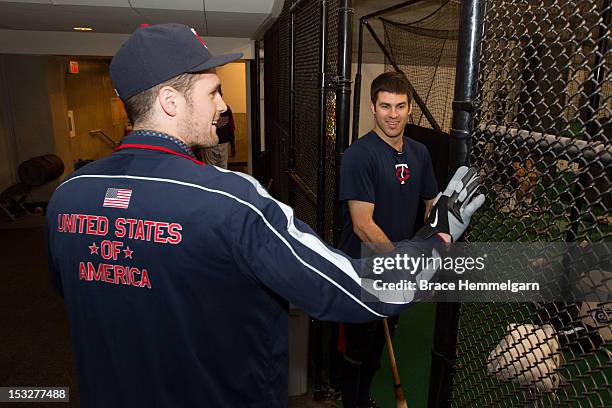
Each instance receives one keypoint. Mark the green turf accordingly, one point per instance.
(481, 327)
(412, 344)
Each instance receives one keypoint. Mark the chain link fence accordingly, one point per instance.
(307, 112)
(293, 133)
(541, 134)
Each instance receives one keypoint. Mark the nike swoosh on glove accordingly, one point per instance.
(453, 208)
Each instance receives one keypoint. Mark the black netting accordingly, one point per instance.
(276, 94)
(303, 177)
(426, 51)
(302, 129)
(306, 71)
(304, 206)
(541, 137)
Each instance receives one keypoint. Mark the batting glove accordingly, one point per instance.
(454, 207)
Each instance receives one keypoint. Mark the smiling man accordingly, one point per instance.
(384, 176)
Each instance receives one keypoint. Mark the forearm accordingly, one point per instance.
(374, 237)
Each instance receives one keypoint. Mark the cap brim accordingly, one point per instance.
(216, 61)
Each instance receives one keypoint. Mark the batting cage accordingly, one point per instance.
(520, 89)
(532, 109)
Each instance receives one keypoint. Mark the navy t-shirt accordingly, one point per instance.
(395, 182)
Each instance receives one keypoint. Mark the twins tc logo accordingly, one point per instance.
(402, 172)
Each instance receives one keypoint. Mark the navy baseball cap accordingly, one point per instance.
(153, 54)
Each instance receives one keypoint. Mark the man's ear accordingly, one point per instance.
(373, 108)
(169, 100)
(410, 108)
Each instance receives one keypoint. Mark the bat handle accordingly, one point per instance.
(397, 385)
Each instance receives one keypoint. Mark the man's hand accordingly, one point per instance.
(454, 207)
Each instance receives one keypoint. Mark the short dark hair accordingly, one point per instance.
(393, 82)
(138, 107)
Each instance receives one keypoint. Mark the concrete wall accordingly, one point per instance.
(28, 121)
(56, 68)
(7, 166)
(91, 97)
(36, 93)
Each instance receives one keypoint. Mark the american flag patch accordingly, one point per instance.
(117, 198)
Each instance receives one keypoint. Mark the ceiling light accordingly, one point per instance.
(82, 28)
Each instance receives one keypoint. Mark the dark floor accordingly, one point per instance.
(34, 334)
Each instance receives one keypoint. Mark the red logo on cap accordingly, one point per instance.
(198, 37)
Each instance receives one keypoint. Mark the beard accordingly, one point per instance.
(197, 135)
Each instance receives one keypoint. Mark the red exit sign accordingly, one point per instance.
(73, 68)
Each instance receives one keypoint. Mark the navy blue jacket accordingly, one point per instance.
(177, 278)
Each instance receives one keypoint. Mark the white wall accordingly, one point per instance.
(368, 73)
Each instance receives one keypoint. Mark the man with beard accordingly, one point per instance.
(384, 176)
(219, 154)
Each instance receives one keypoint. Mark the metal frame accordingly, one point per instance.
(322, 123)
(291, 139)
(256, 154)
(447, 314)
(343, 99)
(363, 21)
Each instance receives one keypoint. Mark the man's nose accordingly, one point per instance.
(221, 106)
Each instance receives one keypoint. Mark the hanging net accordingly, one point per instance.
(426, 51)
